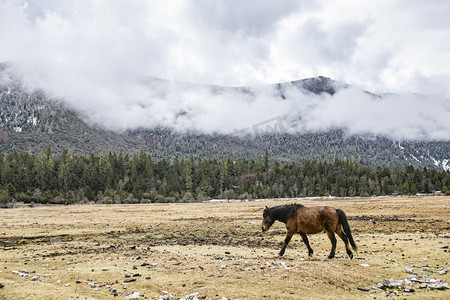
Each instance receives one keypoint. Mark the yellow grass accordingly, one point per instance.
(217, 250)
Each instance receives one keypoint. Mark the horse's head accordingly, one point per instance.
(267, 220)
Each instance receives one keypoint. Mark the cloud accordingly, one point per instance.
(247, 111)
(96, 55)
(247, 18)
(411, 117)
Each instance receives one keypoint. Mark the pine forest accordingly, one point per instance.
(117, 178)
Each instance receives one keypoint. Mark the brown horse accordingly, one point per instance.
(310, 220)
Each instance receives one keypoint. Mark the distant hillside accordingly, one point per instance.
(331, 145)
(30, 122)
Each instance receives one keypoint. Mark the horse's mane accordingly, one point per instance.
(283, 212)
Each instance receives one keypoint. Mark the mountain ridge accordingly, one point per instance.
(30, 122)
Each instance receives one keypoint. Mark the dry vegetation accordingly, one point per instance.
(217, 250)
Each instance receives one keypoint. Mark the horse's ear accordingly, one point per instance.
(266, 208)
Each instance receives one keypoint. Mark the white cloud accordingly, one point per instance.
(414, 117)
(95, 54)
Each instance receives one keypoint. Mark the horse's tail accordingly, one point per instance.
(344, 222)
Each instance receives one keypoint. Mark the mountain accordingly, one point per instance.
(30, 121)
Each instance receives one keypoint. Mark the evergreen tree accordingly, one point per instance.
(67, 178)
(266, 160)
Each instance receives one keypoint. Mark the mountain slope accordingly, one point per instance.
(30, 122)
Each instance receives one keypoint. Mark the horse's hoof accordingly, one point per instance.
(330, 256)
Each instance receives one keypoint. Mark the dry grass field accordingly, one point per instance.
(218, 250)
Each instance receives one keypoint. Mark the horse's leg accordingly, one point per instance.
(342, 235)
(286, 242)
(306, 241)
(332, 238)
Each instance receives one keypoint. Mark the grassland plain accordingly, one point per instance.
(218, 250)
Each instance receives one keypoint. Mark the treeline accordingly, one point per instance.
(117, 178)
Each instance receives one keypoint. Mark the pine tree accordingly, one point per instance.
(66, 178)
(188, 166)
(266, 160)
(105, 172)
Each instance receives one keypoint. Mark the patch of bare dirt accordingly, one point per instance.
(215, 250)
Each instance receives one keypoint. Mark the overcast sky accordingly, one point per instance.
(94, 52)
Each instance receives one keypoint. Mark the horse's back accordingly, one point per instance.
(323, 212)
(315, 219)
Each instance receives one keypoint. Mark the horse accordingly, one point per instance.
(310, 220)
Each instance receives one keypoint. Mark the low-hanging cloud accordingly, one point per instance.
(102, 59)
(228, 110)
(409, 116)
